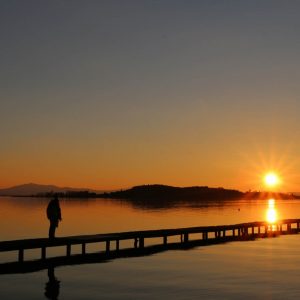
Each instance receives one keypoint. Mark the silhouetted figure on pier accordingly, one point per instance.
(52, 286)
(54, 216)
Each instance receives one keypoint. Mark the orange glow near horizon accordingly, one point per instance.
(105, 172)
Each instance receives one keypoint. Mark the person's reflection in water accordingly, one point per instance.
(52, 286)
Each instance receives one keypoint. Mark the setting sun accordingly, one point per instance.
(271, 179)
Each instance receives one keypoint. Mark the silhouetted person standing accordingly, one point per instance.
(54, 216)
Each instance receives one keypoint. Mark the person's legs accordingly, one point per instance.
(52, 229)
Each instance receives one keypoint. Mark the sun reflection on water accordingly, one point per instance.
(271, 214)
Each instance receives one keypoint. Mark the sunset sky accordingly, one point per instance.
(111, 94)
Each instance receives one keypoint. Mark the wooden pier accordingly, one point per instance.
(136, 243)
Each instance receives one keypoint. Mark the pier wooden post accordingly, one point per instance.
(117, 245)
(165, 240)
(135, 243)
(141, 242)
(21, 255)
(186, 237)
(43, 253)
(83, 249)
(68, 250)
(107, 246)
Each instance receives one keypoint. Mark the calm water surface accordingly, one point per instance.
(261, 269)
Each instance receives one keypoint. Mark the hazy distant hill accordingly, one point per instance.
(34, 189)
(157, 192)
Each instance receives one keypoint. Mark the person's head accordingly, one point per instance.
(55, 198)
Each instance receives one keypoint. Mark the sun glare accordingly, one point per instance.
(271, 179)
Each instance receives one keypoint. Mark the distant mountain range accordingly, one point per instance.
(154, 192)
(30, 189)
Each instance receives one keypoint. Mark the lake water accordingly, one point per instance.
(261, 269)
